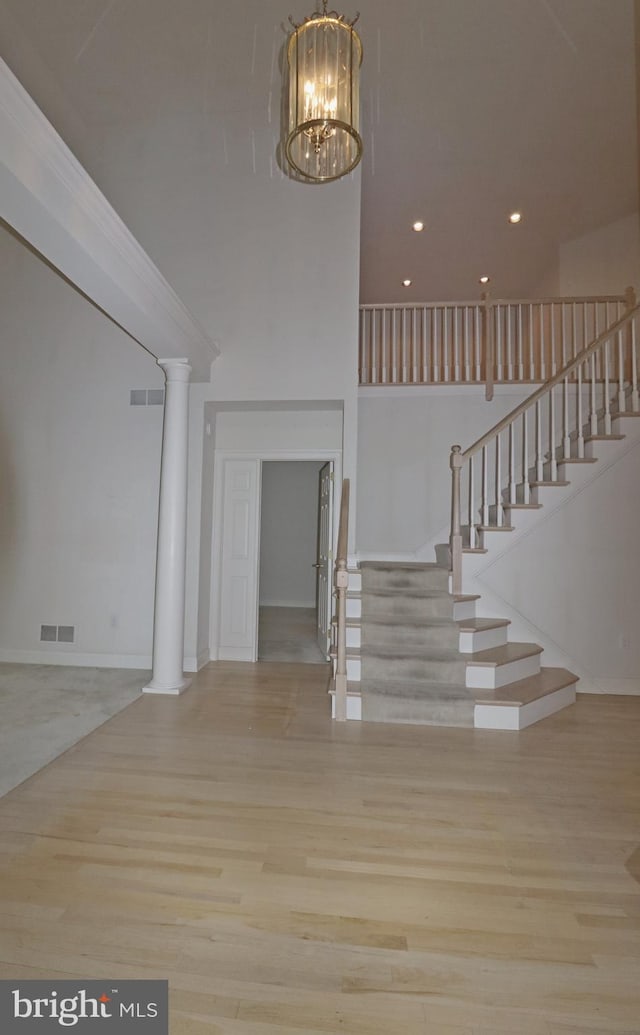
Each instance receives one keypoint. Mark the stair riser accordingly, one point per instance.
(440, 637)
(354, 607)
(412, 608)
(466, 643)
(353, 670)
(353, 636)
(470, 642)
(509, 717)
(602, 450)
(490, 677)
(429, 579)
(464, 609)
(378, 708)
(414, 669)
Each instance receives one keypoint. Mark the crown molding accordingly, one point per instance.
(50, 200)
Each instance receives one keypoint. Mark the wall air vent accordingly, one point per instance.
(57, 633)
(146, 397)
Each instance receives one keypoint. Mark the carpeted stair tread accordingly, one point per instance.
(408, 591)
(394, 565)
(523, 691)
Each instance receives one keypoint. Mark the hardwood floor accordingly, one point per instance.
(291, 875)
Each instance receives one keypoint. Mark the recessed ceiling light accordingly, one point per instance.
(485, 280)
(418, 226)
(406, 283)
(515, 217)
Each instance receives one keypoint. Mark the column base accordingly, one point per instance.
(173, 690)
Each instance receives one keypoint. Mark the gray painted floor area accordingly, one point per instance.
(288, 634)
(46, 709)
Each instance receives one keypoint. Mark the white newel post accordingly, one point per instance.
(168, 631)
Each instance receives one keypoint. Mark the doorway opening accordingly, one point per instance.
(296, 530)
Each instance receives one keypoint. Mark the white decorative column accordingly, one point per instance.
(168, 631)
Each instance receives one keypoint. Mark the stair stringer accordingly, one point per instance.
(552, 498)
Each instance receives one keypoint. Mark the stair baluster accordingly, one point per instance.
(635, 402)
(566, 439)
(525, 460)
(586, 366)
(580, 440)
(553, 463)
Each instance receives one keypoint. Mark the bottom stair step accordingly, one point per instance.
(520, 704)
(417, 702)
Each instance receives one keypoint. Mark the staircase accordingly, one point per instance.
(416, 650)
(418, 654)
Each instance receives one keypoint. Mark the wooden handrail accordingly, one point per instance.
(341, 586)
(568, 299)
(566, 371)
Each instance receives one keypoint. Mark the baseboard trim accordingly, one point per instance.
(195, 663)
(609, 687)
(235, 654)
(288, 603)
(50, 657)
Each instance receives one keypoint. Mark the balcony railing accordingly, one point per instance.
(492, 341)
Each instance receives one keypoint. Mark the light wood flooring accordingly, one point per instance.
(290, 875)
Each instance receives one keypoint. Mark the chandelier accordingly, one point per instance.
(324, 56)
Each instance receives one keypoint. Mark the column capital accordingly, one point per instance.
(176, 369)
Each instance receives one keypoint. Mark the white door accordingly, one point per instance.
(240, 560)
(324, 559)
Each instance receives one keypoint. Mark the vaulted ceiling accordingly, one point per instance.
(470, 111)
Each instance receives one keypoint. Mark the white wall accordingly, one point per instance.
(289, 533)
(79, 470)
(576, 576)
(603, 262)
(268, 266)
(405, 437)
